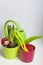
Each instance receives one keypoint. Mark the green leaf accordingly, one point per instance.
(9, 30)
(30, 39)
(12, 33)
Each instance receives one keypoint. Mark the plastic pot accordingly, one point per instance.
(27, 56)
(10, 53)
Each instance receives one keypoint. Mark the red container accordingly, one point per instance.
(27, 56)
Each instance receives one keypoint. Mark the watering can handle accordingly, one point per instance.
(12, 21)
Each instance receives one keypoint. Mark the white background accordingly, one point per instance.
(29, 14)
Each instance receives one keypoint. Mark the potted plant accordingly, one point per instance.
(10, 43)
(15, 38)
(9, 46)
(26, 50)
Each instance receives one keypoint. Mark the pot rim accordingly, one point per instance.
(10, 48)
(29, 51)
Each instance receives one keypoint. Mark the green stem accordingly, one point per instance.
(18, 39)
(18, 36)
(9, 30)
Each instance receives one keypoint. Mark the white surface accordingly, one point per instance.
(38, 57)
(29, 14)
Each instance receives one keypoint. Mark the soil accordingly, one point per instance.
(12, 45)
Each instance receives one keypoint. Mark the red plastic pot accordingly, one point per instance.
(27, 56)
